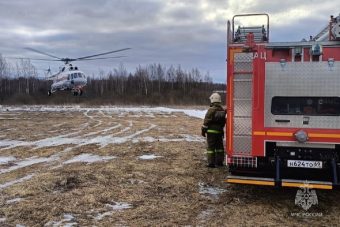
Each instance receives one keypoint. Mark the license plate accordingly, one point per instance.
(304, 164)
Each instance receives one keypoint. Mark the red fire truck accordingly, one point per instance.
(283, 107)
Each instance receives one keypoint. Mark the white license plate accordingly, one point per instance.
(304, 164)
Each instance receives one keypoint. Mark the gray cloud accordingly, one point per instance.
(190, 32)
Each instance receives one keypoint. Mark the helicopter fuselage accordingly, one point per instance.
(70, 79)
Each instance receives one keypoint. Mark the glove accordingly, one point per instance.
(204, 131)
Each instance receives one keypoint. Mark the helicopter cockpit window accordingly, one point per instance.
(79, 75)
(75, 75)
(68, 77)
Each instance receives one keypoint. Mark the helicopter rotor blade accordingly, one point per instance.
(40, 52)
(96, 55)
(35, 59)
(100, 58)
(38, 59)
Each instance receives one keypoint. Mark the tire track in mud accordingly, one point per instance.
(75, 138)
(136, 132)
(60, 140)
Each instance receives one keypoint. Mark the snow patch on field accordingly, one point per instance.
(104, 130)
(20, 180)
(103, 215)
(63, 140)
(149, 157)
(67, 221)
(146, 111)
(54, 142)
(27, 162)
(136, 181)
(209, 190)
(6, 142)
(117, 206)
(89, 158)
(6, 159)
(183, 137)
(11, 201)
(86, 113)
(205, 215)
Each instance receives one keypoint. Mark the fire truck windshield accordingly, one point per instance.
(318, 106)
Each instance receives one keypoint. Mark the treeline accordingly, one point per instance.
(153, 84)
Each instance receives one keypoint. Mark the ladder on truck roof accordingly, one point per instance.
(260, 33)
(322, 35)
(330, 32)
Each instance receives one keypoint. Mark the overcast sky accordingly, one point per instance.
(191, 33)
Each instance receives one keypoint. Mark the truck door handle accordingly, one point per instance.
(282, 120)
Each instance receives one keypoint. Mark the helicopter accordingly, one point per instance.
(69, 76)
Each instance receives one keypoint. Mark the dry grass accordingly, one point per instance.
(163, 191)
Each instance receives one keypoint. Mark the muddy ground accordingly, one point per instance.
(95, 167)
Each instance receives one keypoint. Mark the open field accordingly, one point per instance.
(129, 167)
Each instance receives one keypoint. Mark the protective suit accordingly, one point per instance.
(212, 128)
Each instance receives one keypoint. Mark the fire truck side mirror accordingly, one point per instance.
(283, 63)
(331, 63)
(316, 50)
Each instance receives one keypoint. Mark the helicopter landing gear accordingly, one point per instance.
(77, 92)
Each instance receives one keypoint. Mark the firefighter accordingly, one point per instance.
(212, 128)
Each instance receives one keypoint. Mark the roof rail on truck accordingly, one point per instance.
(260, 33)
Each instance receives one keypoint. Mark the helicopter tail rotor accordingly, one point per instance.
(48, 72)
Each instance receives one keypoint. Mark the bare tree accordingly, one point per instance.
(120, 74)
(3, 72)
(171, 76)
(150, 84)
(160, 76)
(142, 75)
(3, 67)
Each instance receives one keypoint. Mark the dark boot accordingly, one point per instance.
(219, 158)
(211, 159)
